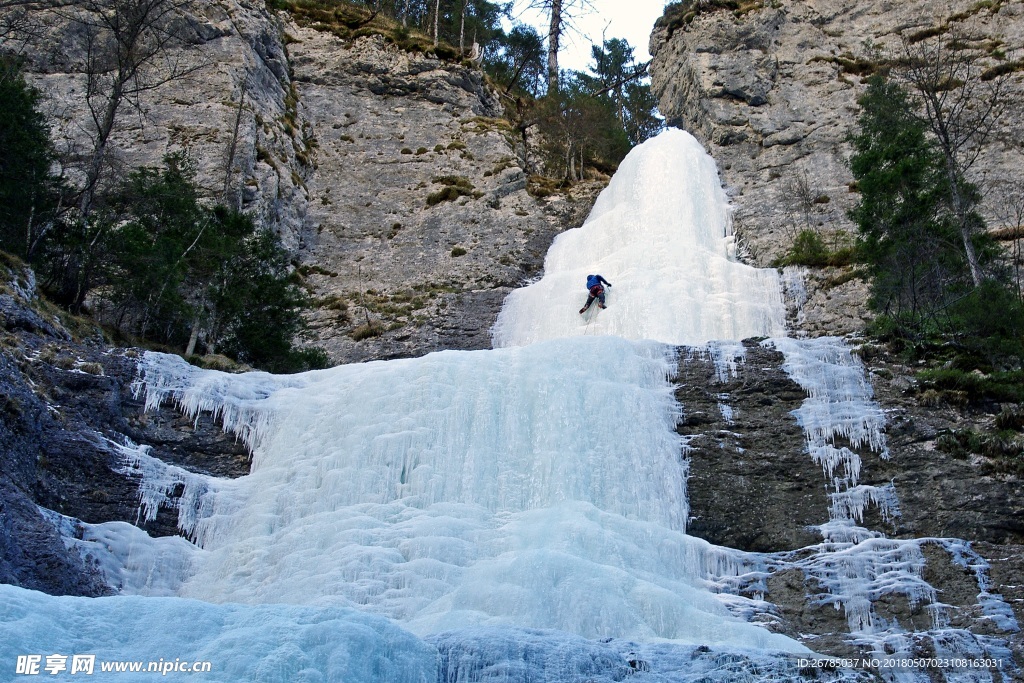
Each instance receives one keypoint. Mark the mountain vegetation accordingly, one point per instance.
(585, 119)
(149, 258)
(937, 274)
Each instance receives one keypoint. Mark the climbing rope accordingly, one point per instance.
(586, 330)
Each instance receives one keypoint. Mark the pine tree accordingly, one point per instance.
(28, 192)
(906, 234)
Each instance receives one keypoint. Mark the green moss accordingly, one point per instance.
(1010, 418)
(1002, 69)
(542, 186)
(333, 302)
(367, 331)
(1004, 449)
(454, 187)
(809, 249)
(848, 64)
(680, 14)
(307, 269)
(91, 368)
(446, 194)
(925, 34)
(349, 21)
(974, 386)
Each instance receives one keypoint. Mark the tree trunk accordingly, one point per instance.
(193, 338)
(28, 233)
(232, 148)
(965, 228)
(437, 13)
(554, 35)
(462, 28)
(103, 131)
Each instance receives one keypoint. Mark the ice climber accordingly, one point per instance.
(594, 283)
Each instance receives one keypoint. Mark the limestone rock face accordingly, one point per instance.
(773, 96)
(419, 219)
(744, 446)
(230, 113)
(389, 175)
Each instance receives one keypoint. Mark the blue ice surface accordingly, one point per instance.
(256, 643)
(303, 644)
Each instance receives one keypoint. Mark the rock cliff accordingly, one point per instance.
(389, 174)
(771, 89)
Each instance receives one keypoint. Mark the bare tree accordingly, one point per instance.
(1012, 215)
(21, 24)
(131, 48)
(560, 14)
(233, 145)
(800, 196)
(961, 107)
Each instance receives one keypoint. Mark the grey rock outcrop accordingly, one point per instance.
(67, 404)
(754, 486)
(743, 445)
(420, 221)
(389, 175)
(772, 93)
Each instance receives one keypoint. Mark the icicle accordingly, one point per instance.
(850, 503)
(157, 480)
(795, 291)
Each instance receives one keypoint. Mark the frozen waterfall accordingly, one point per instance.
(661, 234)
(515, 514)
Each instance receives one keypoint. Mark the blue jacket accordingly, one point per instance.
(593, 280)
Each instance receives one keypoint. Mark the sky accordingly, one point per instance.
(629, 19)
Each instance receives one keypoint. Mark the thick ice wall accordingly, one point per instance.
(660, 233)
(508, 430)
(268, 643)
(538, 486)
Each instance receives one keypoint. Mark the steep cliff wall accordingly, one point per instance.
(419, 220)
(390, 175)
(772, 93)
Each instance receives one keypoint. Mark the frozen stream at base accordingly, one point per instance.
(507, 515)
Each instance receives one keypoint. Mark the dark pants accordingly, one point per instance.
(599, 296)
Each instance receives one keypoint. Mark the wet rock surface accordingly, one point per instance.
(68, 403)
(750, 486)
(753, 486)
